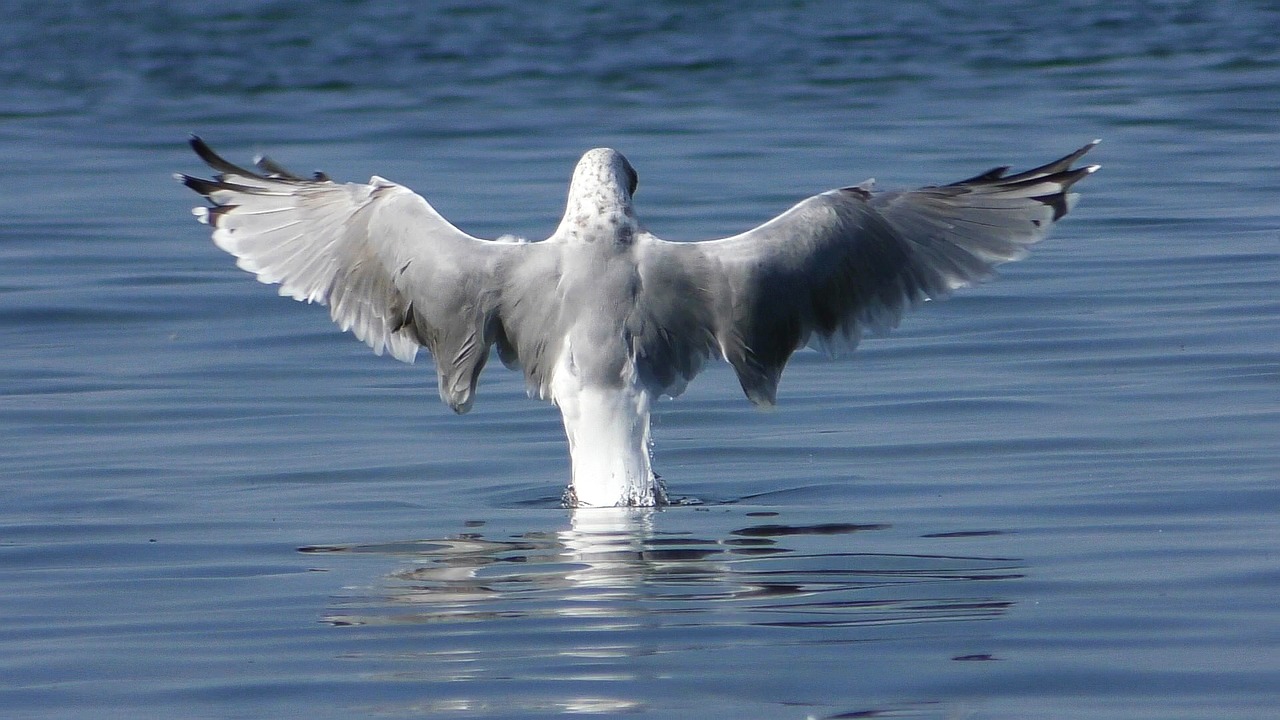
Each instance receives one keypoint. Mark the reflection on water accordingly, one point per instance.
(595, 602)
(612, 564)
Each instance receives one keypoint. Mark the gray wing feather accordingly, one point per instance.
(390, 268)
(669, 331)
(530, 328)
(847, 261)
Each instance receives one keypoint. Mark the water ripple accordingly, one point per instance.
(614, 568)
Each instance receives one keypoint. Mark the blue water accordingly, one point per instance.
(1053, 496)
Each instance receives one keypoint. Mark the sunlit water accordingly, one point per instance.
(1054, 496)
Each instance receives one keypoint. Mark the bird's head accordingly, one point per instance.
(600, 194)
(604, 169)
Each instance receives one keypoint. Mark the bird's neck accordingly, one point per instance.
(599, 219)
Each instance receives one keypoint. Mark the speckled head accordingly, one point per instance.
(600, 196)
(605, 167)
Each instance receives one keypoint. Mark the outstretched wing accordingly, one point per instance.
(852, 260)
(391, 269)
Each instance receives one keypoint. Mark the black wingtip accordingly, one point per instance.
(216, 161)
(1062, 164)
(992, 175)
(200, 185)
(275, 170)
(270, 169)
(202, 148)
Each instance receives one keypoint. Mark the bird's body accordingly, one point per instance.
(603, 318)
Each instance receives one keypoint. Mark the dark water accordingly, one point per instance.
(1051, 497)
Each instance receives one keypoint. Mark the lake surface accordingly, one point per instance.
(1052, 496)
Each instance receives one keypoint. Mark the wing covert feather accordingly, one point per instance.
(851, 260)
(390, 268)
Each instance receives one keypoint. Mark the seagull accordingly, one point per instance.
(603, 317)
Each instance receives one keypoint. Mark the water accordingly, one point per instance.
(1054, 496)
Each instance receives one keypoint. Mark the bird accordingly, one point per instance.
(602, 317)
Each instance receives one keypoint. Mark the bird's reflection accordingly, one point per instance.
(613, 564)
(596, 616)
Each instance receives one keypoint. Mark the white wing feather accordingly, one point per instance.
(390, 268)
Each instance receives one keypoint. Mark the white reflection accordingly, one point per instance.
(564, 618)
(606, 546)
